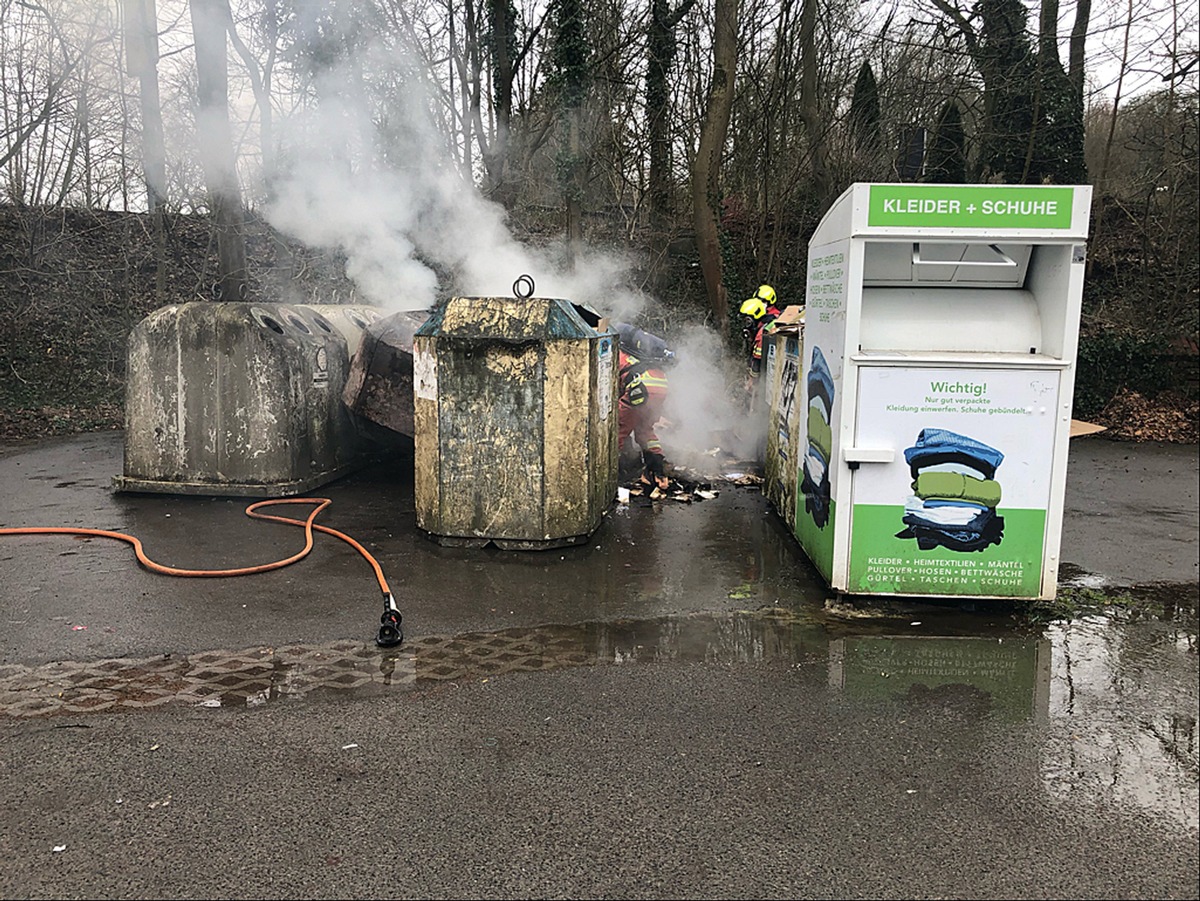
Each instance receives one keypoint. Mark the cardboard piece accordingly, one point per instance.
(1080, 429)
(790, 321)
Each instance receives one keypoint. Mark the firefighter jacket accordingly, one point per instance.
(643, 389)
(763, 324)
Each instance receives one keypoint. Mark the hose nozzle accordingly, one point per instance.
(390, 634)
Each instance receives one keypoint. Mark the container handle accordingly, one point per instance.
(523, 287)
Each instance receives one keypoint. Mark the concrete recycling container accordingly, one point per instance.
(241, 399)
(351, 321)
(516, 422)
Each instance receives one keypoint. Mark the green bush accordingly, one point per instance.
(1109, 361)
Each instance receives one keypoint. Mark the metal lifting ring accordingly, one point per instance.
(523, 287)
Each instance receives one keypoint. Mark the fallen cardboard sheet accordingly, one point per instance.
(1079, 428)
(791, 315)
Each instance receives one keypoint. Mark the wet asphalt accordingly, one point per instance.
(677, 708)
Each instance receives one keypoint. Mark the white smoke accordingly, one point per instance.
(708, 417)
(390, 198)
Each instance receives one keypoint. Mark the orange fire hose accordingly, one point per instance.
(389, 630)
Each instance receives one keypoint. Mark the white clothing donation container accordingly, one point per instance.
(936, 385)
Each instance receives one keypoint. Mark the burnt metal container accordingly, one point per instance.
(379, 388)
(784, 349)
(515, 411)
(241, 399)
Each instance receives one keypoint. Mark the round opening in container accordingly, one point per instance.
(267, 320)
(299, 323)
(322, 323)
(357, 320)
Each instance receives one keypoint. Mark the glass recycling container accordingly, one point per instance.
(241, 399)
(515, 422)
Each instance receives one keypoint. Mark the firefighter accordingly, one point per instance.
(761, 312)
(642, 344)
(643, 387)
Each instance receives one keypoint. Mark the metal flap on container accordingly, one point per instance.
(952, 319)
(942, 262)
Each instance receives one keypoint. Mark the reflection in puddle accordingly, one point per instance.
(1081, 679)
(1009, 677)
(1130, 697)
(1008, 671)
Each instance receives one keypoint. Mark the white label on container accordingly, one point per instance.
(321, 367)
(604, 377)
(425, 374)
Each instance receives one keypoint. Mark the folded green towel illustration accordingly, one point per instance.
(957, 486)
(820, 435)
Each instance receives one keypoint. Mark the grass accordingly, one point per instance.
(1160, 602)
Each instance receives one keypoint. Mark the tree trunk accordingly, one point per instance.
(141, 53)
(809, 110)
(209, 18)
(660, 54)
(1075, 54)
(574, 191)
(495, 158)
(706, 168)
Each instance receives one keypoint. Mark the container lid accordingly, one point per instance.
(515, 320)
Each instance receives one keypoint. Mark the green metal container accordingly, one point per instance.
(515, 410)
(240, 399)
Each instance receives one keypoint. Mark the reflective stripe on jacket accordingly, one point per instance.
(643, 390)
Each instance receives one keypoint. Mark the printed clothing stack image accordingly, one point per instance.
(815, 483)
(955, 493)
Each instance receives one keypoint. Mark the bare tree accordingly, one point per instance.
(260, 75)
(210, 23)
(810, 111)
(706, 167)
(507, 49)
(660, 53)
(141, 55)
(43, 99)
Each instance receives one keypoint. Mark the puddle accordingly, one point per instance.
(1126, 692)
(868, 651)
(253, 676)
(1104, 685)
(1074, 577)
(1113, 703)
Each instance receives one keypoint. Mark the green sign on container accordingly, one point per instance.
(970, 206)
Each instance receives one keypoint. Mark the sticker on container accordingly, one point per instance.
(425, 374)
(321, 367)
(604, 352)
(963, 507)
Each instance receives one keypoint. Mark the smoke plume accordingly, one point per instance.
(386, 192)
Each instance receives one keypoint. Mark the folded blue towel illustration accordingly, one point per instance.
(935, 442)
(820, 380)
